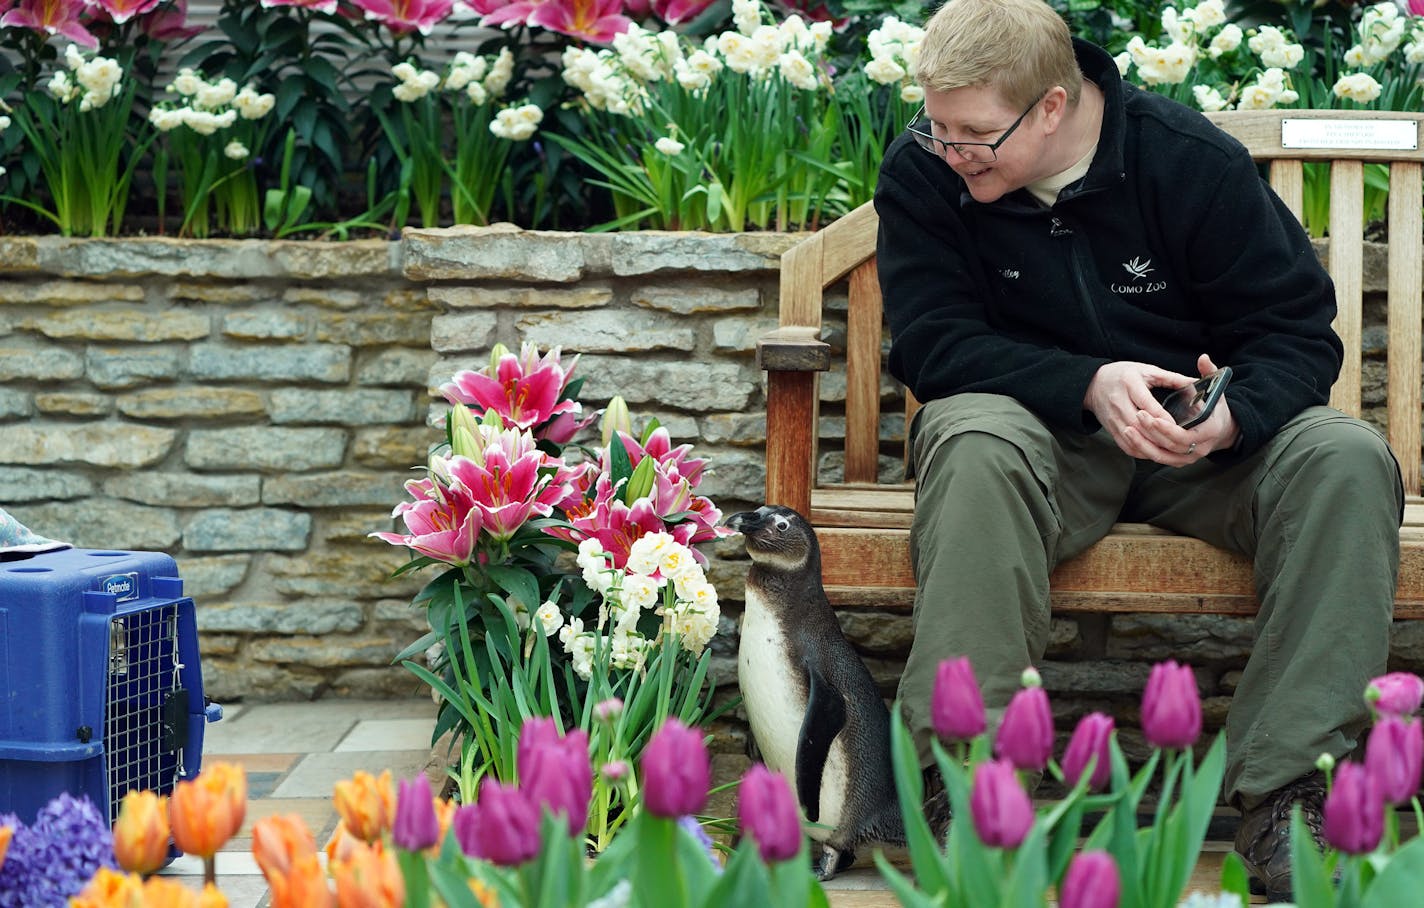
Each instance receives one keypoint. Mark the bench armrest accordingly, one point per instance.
(793, 348)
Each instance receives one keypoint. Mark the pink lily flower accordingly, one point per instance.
(509, 480)
(443, 522)
(53, 17)
(638, 8)
(615, 524)
(171, 23)
(402, 16)
(524, 390)
(503, 14)
(659, 447)
(674, 11)
(596, 21)
(322, 6)
(121, 11)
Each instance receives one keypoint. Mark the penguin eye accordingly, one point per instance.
(782, 523)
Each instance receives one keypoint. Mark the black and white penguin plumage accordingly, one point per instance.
(815, 713)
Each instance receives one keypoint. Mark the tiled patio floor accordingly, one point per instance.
(294, 752)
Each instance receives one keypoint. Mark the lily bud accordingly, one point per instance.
(464, 430)
(497, 353)
(1091, 739)
(999, 805)
(956, 706)
(141, 833)
(1025, 736)
(206, 811)
(1092, 881)
(1354, 811)
(1171, 706)
(676, 771)
(1394, 756)
(501, 827)
(767, 812)
(416, 827)
(616, 418)
(1397, 693)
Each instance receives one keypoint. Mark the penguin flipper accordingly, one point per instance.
(825, 717)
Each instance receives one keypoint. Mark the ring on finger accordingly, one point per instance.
(1190, 448)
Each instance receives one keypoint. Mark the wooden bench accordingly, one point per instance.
(863, 523)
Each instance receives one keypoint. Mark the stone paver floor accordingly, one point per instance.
(293, 752)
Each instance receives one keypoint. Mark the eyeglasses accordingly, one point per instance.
(981, 152)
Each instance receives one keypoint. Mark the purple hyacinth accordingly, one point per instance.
(52, 858)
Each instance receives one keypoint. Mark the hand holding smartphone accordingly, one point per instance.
(1190, 406)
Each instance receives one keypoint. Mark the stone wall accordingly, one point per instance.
(253, 408)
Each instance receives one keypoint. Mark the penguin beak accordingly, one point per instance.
(737, 521)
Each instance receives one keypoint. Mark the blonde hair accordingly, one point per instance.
(1022, 48)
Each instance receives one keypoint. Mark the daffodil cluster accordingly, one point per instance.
(92, 81)
(894, 47)
(662, 577)
(210, 106)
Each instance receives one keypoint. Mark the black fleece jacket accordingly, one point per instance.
(1170, 246)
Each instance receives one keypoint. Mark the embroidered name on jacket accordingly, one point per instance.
(1138, 267)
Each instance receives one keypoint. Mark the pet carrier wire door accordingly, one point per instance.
(101, 691)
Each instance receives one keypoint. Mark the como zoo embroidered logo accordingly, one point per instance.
(1139, 268)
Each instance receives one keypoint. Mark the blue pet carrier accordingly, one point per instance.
(101, 692)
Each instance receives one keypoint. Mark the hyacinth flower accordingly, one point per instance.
(141, 832)
(51, 17)
(403, 16)
(206, 811)
(285, 850)
(366, 804)
(527, 391)
(595, 21)
(52, 858)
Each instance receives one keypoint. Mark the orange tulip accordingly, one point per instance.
(369, 878)
(211, 897)
(445, 813)
(163, 893)
(207, 811)
(339, 846)
(286, 852)
(367, 804)
(6, 834)
(110, 888)
(484, 894)
(141, 832)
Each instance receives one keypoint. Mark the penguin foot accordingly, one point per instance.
(832, 861)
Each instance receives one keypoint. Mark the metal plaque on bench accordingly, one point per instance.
(1386, 135)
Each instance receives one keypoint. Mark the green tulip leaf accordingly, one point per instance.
(925, 855)
(1398, 883)
(1310, 880)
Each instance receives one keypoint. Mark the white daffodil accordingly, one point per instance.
(235, 150)
(1358, 87)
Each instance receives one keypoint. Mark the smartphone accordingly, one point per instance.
(1191, 405)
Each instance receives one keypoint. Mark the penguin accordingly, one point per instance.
(815, 713)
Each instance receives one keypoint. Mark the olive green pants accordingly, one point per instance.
(1001, 499)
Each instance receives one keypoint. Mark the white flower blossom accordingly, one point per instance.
(551, 618)
(1225, 41)
(1358, 87)
(186, 83)
(1209, 98)
(570, 632)
(1215, 900)
(640, 591)
(1206, 14)
(4, 122)
(746, 15)
(1123, 61)
(797, 70)
(1159, 65)
(1180, 29)
(501, 72)
(669, 146)
(517, 123)
(646, 552)
(253, 105)
(165, 120)
(235, 150)
(912, 94)
(885, 71)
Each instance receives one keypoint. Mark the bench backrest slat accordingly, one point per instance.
(847, 246)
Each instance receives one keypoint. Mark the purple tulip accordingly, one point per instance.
(1092, 738)
(1395, 756)
(416, 827)
(1171, 706)
(956, 707)
(1397, 693)
(1092, 881)
(501, 827)
(767, 812)
(554, 770)
(1025, 736)
(1001, 809)
(1354, 811)
(676, 771)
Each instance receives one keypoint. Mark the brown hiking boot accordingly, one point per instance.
(1263, 838)
(936, 804)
